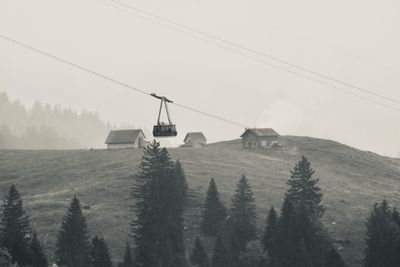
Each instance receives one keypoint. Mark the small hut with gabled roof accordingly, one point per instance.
(195, 139)
(132, 138)
(260, 138)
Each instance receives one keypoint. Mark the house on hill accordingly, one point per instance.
(194, 139)
(133, 138)
(260, 138)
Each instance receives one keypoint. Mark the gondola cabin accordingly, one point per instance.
(163, 129)
(167, 130)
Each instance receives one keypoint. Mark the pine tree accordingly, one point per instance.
(304, 258)
(73, 243)
(270, 234)
(254, 255)
(317, 241)
(309, 243)
(221, 256)
(38, 257)
(128, 260)
(300, 240)
(396, 216)
(158, 227)
(99, 253)
(243, 213)
(287, 242)
(180, 179)
(199, 256)
(5, 258)
(175, 199)
(271, 229)
(396, 219)
(383, 235)
(230, 242)
(15, 228)
(304, 192)
(214, 212)
(334, 259)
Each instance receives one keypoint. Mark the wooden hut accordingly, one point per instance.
(260, 138)
(195, 139)
(133, 138)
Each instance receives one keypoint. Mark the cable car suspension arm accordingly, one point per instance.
(164, 101)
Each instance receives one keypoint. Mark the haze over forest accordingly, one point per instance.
(45, 126)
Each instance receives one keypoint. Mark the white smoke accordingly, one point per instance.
(289, 115)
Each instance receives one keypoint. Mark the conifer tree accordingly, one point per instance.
(287, 243)
(15, 228)
(99, 253)
(128, 260)
(221, 256)
(316, 240)
(199, 256)
(5, 258)
(396, 216)
(271, 229)
(334, 259)
(300, 240)
(304, 192)
(73, 243)
(214, 212)
(231, 242)
(396, 219)
(270, 235)
(38, 257)
(176, 198)
(383, 235)
(304, 258)
(243, 213)
(254, 255)
(180, 177)
(310, 243)
(158, 227)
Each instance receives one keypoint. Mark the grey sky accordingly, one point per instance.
(355, 41)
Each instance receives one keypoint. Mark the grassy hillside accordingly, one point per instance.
(351, 181)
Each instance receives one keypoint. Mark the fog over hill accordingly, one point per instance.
(45, 126)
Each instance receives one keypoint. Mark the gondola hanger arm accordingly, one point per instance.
(162, 98)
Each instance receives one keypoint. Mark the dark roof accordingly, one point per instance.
(261, 132)
(195, 135)
(123, 136)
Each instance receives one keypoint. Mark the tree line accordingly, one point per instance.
(292, 236)
(44, 126)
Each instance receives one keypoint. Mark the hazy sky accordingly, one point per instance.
(355, 41)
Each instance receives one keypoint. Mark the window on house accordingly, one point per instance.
(264, 143)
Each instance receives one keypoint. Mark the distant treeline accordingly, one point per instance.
(48, 127)
(292, 236)
(43, 138)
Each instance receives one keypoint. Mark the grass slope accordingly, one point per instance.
(351, 181)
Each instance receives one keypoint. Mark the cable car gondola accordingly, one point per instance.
(163, 129)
